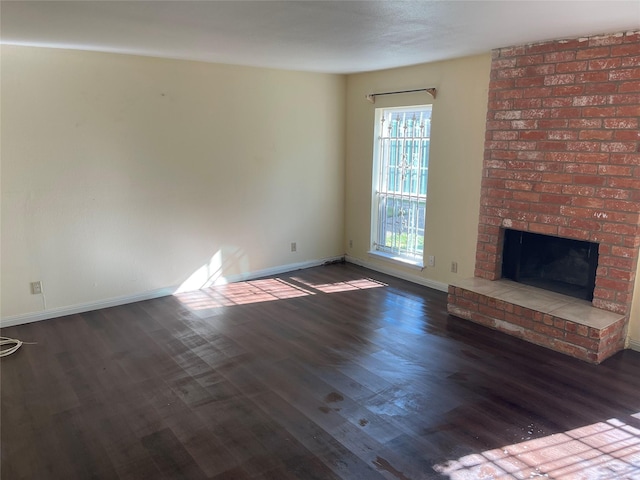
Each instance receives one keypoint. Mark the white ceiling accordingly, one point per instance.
(318, 36)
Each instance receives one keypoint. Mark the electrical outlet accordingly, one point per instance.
(36, 288)
(350, 243)
(432, 261)
(294, 247)
(454, 267)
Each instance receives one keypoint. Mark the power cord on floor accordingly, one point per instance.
(11, 341)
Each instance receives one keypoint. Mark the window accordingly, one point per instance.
(401, 168)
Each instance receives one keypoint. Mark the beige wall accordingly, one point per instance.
(124, 174)
(455, 162)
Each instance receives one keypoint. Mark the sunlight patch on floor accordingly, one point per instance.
(267, 290)
(241, 293)
(604, 450)
(360, 284)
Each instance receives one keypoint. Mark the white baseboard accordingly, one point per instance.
(634, 345)
(160, 292)
(443, 287)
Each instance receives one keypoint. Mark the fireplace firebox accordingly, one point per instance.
(557, 264)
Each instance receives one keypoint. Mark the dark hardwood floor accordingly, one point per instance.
(333, 372)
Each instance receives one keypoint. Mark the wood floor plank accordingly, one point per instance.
(333, 372)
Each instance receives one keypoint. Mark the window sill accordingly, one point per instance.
(418, 265)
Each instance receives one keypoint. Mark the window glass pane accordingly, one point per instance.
(400, 188)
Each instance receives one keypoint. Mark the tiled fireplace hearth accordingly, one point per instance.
(561, 159)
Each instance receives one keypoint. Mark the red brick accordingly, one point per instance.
(560, 156)
(625, 183)
(541, 48)
(585, 123)
(560, 79)
(619, 262)
(510, 73)
(604, 64)
(604, 294)
(627, 135)
(548, 330)
(624, 74)
(630, 111)
(556, 57)
(535, 92)
(592, 157)
(557, 123)
(583, 146)
(580, 190)
(553, 102)
(529, 60)
(503, 155)
(526, 196)
(611, 39)
(623, 252)
(617, 274)
(611, 284)
(535, 113)
(582, 341)
(624, 159)
(529, 82)
(504, 135)
(565, 112)
(495, 145)
(528, 155)
(557, 146)
(585, 225)
(621, 123)
(544, 229)
(561, 135)
(557, 178)
(629, 87)
(571, 67)
(507, 94)
(624, 99)
(593, 53)
(501, 84)
(523, 124)
(577, 212)
(498, 125)
(584, 100)
(589, 180)
(511, 51)
(596, 134)
(588, 168)
(618, 170)
(532, 135)
(630, 61)
(590, 88)
(517, 185)
(624, 50)
(588, 202)
(574, 233)
(618, 147)
(524, 103)
(522, 145)
(598, 112)
(536, 70)
(545, 208)
(503, 63)
(597, 76)
(621, 205)
(618, 193)
(562, 90)
(553, 188)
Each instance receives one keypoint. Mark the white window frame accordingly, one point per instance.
(381, 193)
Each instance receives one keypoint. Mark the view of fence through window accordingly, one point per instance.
(401, 167)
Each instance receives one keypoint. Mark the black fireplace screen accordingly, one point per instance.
(561, 265)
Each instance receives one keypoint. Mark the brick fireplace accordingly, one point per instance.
(561, 159)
